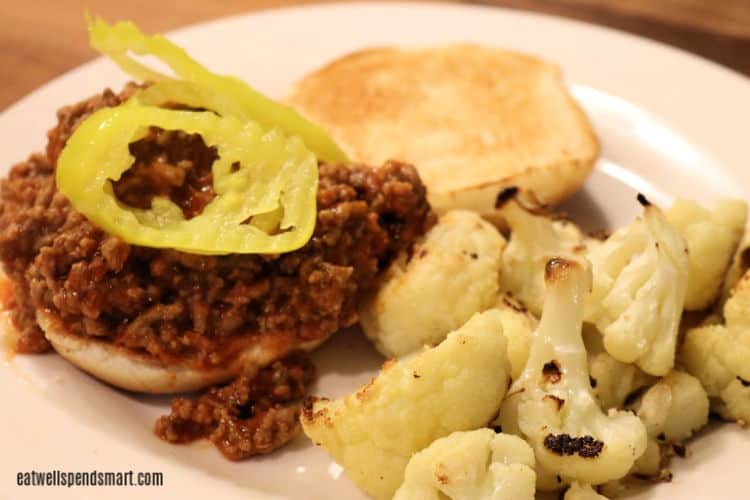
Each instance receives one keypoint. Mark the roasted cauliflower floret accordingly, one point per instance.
(735, 401)
(455, 386)
(518, 325)
(640, 281)
(739, 266)
(535, 238)
(452, 274)
(472, 465)
(552, 405)
(672, 410)
(719, 356)
(612, 381)
(712, 239)
(579, 491)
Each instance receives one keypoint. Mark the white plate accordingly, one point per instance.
(670, 124)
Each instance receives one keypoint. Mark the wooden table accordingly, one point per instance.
(41, 39)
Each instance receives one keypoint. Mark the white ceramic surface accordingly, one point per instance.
(670, 124)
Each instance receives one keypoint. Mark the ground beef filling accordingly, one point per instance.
(30, 210)
(252, 415)
(170, 164)
(197, 309)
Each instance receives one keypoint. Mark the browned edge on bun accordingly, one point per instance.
(472, 119)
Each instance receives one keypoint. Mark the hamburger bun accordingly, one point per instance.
(137, 372)
(472, 119)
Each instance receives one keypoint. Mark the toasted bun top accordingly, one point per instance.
(128, 370)
(472, 120)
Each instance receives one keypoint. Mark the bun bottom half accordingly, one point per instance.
(138, 372)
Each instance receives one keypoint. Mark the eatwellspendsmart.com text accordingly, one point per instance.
(90, 478)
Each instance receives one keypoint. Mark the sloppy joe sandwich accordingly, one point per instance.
(478, 119)
(187, 231)
(150, 318)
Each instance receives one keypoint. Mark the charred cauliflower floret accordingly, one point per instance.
(612, 381)
(535, 238)
(518, 325)
(579, 491)
(452, 274)
(552, 405)
(472, 465)
(455, 386)
(672, 410)
(639, 287)
(719, 356)
(739, 266)
(712, 238)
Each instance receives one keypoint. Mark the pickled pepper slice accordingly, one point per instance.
(197, 87)
(265, 183)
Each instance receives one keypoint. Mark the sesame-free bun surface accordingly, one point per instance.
(472, 119)
(139, 373)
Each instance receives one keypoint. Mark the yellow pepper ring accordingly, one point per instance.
(197, 86)
(274, 187)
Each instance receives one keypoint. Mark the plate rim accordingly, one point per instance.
(185, 30)
(696, 61)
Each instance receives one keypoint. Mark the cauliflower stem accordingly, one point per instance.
(535, 239)
(552, 405)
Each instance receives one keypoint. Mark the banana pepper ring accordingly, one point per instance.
(265, 183)
(197, 87)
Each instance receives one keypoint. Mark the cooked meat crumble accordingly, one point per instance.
(253, 415)
(184, 307)
(201, 310)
